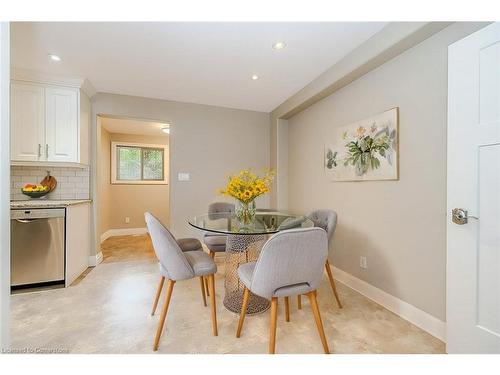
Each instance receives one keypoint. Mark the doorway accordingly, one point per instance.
(132, 178)
(473, 255)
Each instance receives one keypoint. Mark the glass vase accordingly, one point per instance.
(245, 212)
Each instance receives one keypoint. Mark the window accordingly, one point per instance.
(135, 163)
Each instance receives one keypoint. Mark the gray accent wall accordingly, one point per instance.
(400, 226)
(205, 141)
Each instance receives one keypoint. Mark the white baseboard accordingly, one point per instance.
(122, 232)
(414, 315)
(94, 260)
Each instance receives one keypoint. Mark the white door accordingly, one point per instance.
(27, 122)
(61, 114)
(473, 263)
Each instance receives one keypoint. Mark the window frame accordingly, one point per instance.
(114, 164)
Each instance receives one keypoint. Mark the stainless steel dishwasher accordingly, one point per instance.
(37, 247)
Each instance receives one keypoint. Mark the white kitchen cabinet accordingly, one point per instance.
(45, 123)
(61, 124)
(77, 240)
(27, 122)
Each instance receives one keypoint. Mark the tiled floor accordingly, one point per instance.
(108, 311)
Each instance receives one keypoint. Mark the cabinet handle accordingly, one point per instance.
(47, 150)
(39, 150)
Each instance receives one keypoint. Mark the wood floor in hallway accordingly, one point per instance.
(126, 248)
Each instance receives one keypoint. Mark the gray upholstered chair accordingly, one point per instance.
(176, 265)
(216, 243)
(185, 244)
(290, 263)
(327, 220)
(189, 244)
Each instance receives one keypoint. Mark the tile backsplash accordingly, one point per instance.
(72, 183)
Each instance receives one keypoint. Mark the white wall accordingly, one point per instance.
(207, 142)
(400, 226)
(4, 185)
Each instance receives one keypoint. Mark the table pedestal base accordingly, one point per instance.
(242, 249)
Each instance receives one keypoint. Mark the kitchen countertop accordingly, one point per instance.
(44, 203)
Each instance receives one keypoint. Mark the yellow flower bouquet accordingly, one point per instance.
(245, 187)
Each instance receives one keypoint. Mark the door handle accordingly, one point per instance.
(47, 150)
(460, 216)
(39, 150)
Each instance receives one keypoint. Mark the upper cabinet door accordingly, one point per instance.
(27, 122)
(61, 121)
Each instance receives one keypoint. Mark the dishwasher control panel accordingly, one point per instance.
(36, 213)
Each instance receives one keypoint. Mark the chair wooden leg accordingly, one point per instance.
(170, 288)
(206, 286)
(299, 302)
(317, 318)
(244, 305)
(211, 284)
(212, 255)
(287, 309)
(332, 283)
(158, 293)
(202, 285)
(272, 331)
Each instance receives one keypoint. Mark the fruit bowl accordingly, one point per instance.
(35, 194)
(35, 191)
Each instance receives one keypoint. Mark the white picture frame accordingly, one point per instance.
(365, 150)
(114, 170)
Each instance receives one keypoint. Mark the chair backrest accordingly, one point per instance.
(219, 208)
(289, 258)
(167, 250)
(326, 219)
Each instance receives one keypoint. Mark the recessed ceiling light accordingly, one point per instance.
(54, 57)
(166, 130)
(255, 77)
(279, 45)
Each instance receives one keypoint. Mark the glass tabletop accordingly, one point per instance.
(264, 223)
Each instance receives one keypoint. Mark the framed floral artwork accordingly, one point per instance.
(366, 150)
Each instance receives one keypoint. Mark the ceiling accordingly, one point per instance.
(131, 126)
(206, 63)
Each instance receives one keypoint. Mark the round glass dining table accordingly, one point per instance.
(243, 245)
